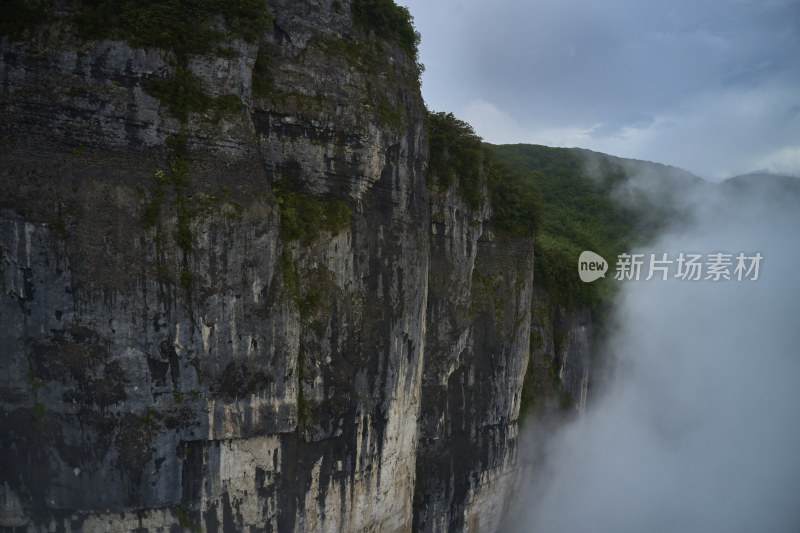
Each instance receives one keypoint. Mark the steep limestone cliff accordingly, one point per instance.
(247, 312)
(560, 355)
(475, 360)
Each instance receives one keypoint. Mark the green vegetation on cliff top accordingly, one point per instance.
(455, 154)
(537, 191)
(577, 214)
(181, 26)
(388, 21)
(18, 17)
(458, 155)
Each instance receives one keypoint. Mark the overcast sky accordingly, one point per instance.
(711, 86)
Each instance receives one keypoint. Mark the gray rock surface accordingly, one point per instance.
(207, 371)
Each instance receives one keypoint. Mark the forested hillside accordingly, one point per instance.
(589, 201)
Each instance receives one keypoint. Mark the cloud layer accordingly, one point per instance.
(706, 85)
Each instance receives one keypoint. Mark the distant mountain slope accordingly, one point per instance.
(593, 201)
(764, 184)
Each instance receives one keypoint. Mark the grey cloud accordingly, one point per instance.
(580, 64)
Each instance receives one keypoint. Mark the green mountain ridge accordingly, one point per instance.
(585, 200)
(588, 200)
(595, 201)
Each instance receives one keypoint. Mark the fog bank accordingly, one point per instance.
(698, 428)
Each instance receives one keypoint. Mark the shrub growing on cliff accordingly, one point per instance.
(304, 216)
(516, 204)
(181, 26)
(181, 93)
(19, 17)
(388, 21)
(455, 153)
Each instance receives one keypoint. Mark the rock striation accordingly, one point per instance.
(257, 316)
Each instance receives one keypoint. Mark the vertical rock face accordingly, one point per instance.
(475, 359)
(244, 317)
(560, 356)
(208, 366)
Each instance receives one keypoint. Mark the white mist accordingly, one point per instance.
(698, 429)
